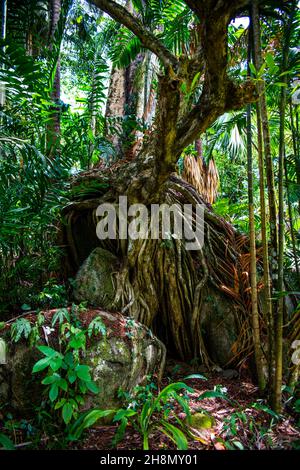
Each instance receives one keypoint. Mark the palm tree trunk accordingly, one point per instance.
(53, 128)
(253, 273)
(290, 210)
(295, 138)
(279, 316)
(267, 303)
(266, 140)
(3, 36)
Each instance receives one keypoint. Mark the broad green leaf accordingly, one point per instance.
(6, 442)
(195, 376)
(53, 392)
(122, 413)
(72, 376)
(67, 412)
(62, 383)
(56, 363)
(93, 416)
(47, 351)
(175, 434)
(60, 403)
(92, 387)
(213, 394)
(51, 379)
(83, 373)
(238, 445)
(41, 364)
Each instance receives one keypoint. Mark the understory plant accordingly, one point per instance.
(148, 412)
(62, 371)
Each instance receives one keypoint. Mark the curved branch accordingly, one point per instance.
(147, 38)
(210, 107)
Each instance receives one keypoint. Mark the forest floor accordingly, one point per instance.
(241, 422)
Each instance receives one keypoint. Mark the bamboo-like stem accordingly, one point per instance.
(253, 273)
(279, 317)
(266, 138)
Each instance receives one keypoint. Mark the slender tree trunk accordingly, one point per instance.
(253, 272)
(295, 138)
(53, 128)
(279, 317)
(267, 303)
(3, 36)
(290, 209)
(266, 139)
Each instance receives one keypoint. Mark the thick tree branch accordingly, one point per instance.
(147, 38)
(209, 108)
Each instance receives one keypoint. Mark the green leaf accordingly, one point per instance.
(297, 406)
(25, 307)
(67, 412)
(72, 376)
(270, 60)
(83, 373)
(62, 383)
(92, 387)
(69, 359)
(60, 316)
(120, 431)
(47, 351)
(145, 414)
(213, 394)
(238, 445)
(78, 341)
(266, 409)
(6, 442)
(97, 326)
(60, 403)
(195, 376)
(56, 363)
(94, 416)
(41, 364)
(53, 392)
(51, 379)
(175, 434)
(195, 80)
(122, 413)
(253, 69)
(20, 328)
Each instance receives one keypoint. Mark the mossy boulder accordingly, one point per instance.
(120, 359)
(94, 280)
(200, 421)
(219, 327)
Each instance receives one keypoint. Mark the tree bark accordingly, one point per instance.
(53, 127)
(277, 404)
(267, 143)
(253, 258)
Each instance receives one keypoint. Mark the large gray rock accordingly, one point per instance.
(219, 328)
(120, 359)
(94, 280)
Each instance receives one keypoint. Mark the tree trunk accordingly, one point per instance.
(279, 317)
(53, 127)
(253, 258)
(194, 300)
(267, 143)
(3, 36)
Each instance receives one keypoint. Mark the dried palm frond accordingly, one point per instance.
(205, 178)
